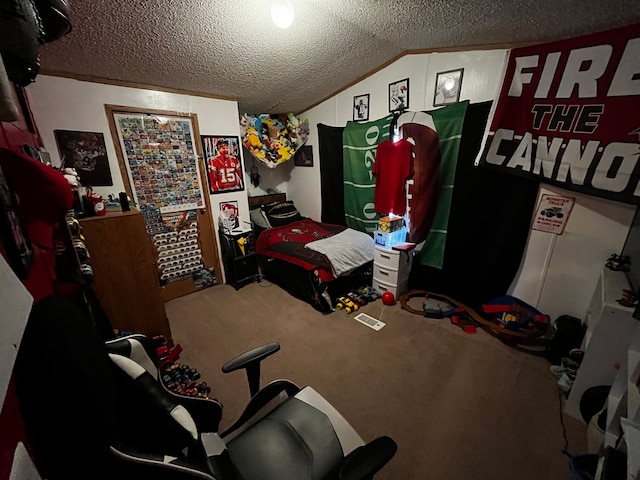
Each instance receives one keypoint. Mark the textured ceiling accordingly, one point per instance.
(231, 48)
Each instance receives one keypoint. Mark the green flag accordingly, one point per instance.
(448, 122)
(359, 143)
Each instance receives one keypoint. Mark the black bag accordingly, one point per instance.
(568, 333)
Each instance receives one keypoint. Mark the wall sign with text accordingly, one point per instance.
(565, 115)
(552, 213)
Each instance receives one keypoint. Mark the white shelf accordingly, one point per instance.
(632, 440)
(610, 329)
(633, 395)
(616, 406)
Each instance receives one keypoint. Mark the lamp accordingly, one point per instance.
(282, 13)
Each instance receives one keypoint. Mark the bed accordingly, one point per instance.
(313, 261)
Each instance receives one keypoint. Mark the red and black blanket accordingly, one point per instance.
(288, 243)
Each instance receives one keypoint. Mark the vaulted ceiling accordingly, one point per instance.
(231, 48)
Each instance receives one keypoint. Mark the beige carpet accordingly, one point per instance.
(459, 406)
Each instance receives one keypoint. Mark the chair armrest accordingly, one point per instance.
(251, 362)
(254, 355)
(366, 461)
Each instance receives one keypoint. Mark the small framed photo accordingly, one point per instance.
(448, 87)
(399, 95)
(361, 108)
(304, 157)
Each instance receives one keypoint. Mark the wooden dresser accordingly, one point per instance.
(125, 274)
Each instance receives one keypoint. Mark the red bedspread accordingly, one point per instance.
(287, 243)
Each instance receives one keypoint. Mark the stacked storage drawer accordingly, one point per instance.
(391, 270)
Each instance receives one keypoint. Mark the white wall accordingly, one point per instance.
(558, 274)
(67, 104)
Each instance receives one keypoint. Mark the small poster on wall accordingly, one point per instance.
(224, 167)
(87, 153)
(229, 216)
(448, 87)
(399, 95)
(304, 157)
(552, 213)
(361, 108)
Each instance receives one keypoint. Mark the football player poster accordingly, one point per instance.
(224, 165)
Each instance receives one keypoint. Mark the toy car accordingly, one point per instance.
(346, 304)
(368, 293)
(552, 212)
(357, 299)
(618, 263)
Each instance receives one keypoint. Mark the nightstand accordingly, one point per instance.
(391, 270)
(238, 250)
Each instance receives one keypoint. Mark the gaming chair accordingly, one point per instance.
(96, 409)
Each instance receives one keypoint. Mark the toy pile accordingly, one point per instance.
(273, 139)
(352, 301)
(182, 379)
(178, 378)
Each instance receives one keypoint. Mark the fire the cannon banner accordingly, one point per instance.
(568, 114)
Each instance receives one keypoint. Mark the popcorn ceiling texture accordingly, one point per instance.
(231, 48)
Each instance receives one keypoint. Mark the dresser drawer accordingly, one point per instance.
(397, 289)
(389, 275)
(386, 258)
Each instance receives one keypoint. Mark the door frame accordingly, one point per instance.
(206, 229)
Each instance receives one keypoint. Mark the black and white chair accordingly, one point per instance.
(98, 410)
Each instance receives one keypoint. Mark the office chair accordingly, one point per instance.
(96, 409)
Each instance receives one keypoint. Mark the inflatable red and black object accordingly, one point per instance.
(25, 25)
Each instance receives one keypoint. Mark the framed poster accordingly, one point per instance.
(304, 157)
(552, 213)
(161, 160)
(448, 87)
(361, 108)
(87, 153)
(224, 165)
(399, 95)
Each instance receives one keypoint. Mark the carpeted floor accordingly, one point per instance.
(459, 406)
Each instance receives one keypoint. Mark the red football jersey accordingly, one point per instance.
(392, 168)
(224, 172)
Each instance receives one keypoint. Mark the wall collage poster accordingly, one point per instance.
(162, 164)
(161, 160)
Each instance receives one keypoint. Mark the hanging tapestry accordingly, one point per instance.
(331, 176)
(360, 142)
(567, 115)
(429, 204)
(489, 260)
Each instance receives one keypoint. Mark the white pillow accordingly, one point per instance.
(258, 218)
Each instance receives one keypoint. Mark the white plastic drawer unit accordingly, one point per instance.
(391, 270)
